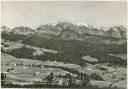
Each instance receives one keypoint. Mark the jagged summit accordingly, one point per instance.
(116, 32)
(82, 24)
(23, 31)
(123, 31)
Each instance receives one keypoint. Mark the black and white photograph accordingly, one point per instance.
(64, 44)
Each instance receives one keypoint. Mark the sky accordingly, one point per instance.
(35, 13)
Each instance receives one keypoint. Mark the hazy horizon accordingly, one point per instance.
(35, 13)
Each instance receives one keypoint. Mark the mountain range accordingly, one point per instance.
(69, 31)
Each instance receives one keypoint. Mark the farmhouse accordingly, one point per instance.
(37, 73)
(54, 61)
(41, 66)
(18, 64)
(19, 41)
(14, 64)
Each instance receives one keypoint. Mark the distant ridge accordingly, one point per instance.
(70, 30)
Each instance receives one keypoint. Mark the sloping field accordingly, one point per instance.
(28, 73)
(23, 77)
(120, 84)
(8, 58)
(15, 45)
(32, 70)
(123, 56)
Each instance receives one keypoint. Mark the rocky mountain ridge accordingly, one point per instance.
(61, 28)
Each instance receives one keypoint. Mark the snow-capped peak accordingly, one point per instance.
(82, 24)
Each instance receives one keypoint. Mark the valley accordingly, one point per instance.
(66, 59)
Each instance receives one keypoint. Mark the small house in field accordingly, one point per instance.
(41, 66)
(14, 64)
(20, 41)
(18, 64)
(54, 61)
(37, 73)
(15, 82)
